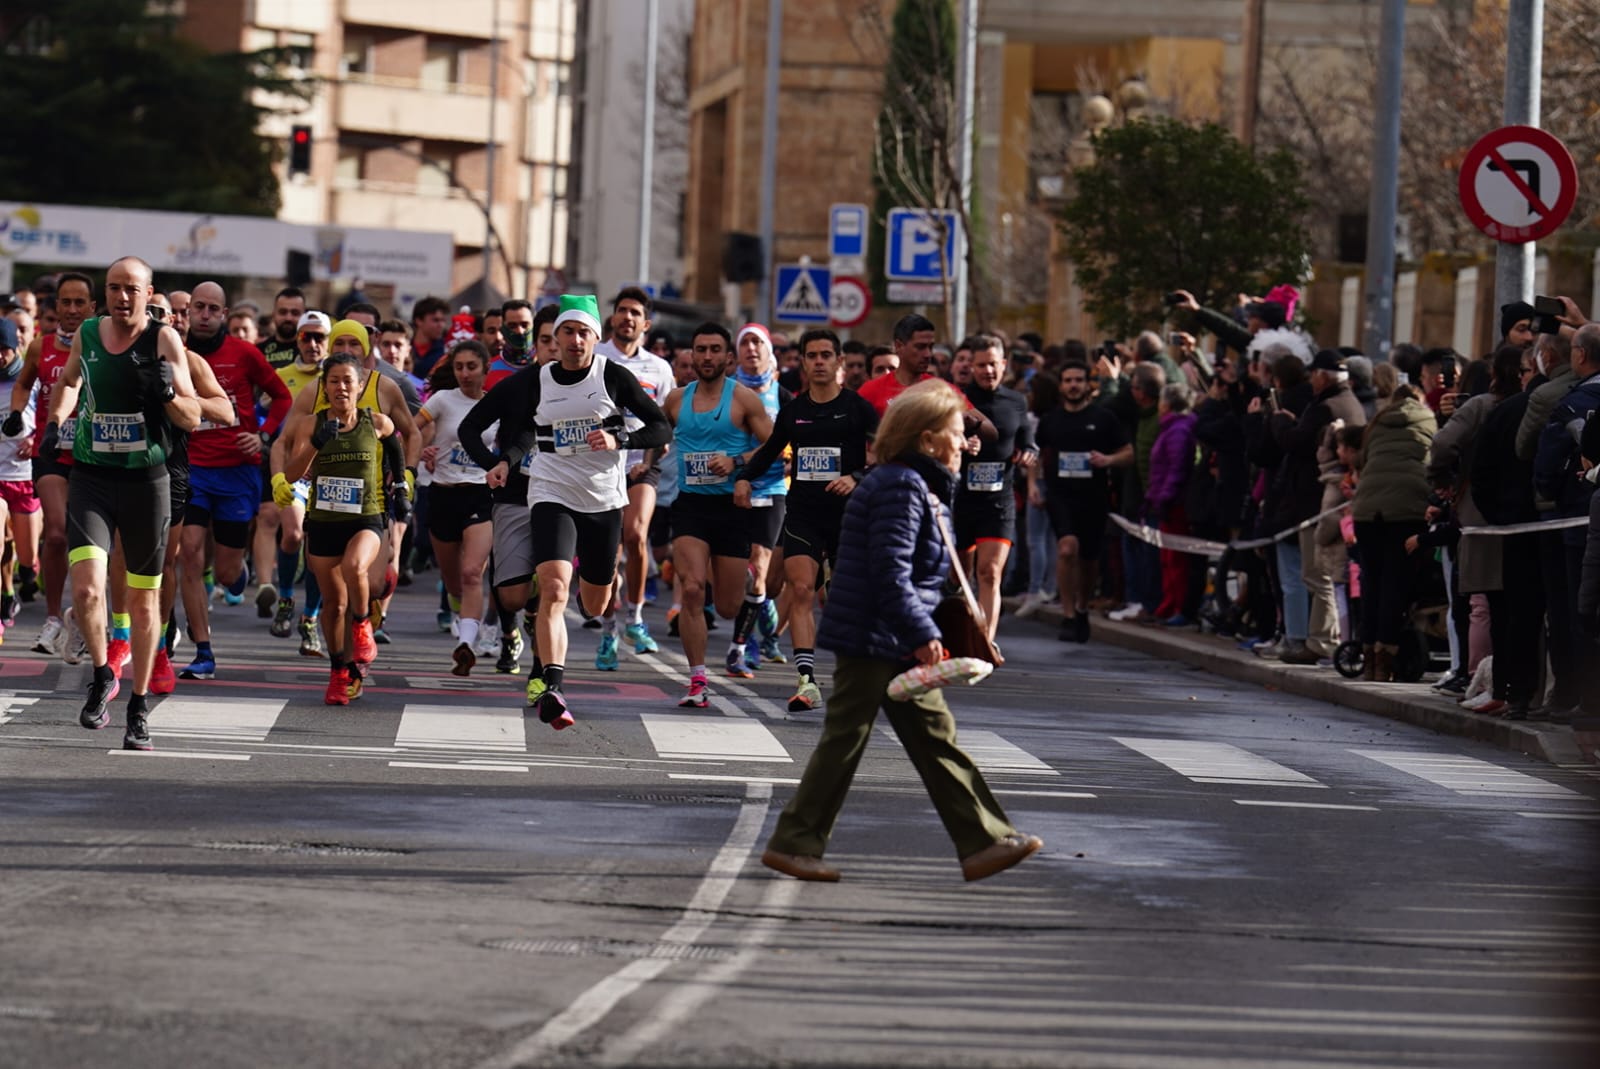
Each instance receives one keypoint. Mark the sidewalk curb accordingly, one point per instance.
(1409, 703)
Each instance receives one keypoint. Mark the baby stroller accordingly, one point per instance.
(1425, 638)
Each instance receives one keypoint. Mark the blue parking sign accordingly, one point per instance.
(913, 247)
(847, 232)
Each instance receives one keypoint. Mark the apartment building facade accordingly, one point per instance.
(450, 117)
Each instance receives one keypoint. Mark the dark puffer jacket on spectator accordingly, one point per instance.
(892, 563)
(1300, 439)
(1394, 472)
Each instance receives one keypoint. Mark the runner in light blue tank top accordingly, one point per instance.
(703, 435)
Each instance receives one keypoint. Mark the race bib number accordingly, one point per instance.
(68, 431)
(337, 493)
(697, 470)
(527, 463)
(1073, 466)
(572, 435)
(459, 459)
(116, 432)
(986, 476)
(816, 463)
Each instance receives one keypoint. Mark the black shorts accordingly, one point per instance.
(812, 533)
(330, 538)
(983, 516)
(766, 523)
(179, 478)
(1082, 518)
(102, 502)
(452, 509)
(560, 533)
(651, 478)
(43, 466)
(661, 527)
(715, 520)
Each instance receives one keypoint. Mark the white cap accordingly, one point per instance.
(314, 319)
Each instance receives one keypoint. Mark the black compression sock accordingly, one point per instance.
(553, 675)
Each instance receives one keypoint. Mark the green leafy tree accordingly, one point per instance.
(1168, 205)
(105, 104)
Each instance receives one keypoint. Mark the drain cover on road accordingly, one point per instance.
(307, 849)
(609, 948)
(687, 799)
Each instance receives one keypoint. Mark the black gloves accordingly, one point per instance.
(50, 444)
(12, 425)
(326, 432)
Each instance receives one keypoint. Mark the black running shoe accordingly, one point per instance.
(553, 710)
(137, 737)
(96, 712)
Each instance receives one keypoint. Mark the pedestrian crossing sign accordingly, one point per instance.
(802, 292)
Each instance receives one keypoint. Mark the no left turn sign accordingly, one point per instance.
(1518, 184)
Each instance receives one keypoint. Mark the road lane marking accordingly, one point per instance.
(234, 720)
(1304, 805)
(458, 727)
(1044, 794)
(592, 1006)
(1467, 775)
(731, 779)
(203, 755)
(722, 740)
(462, 766)
(11, 704)
(1218, 762)
(995, 756)
(1561, 816)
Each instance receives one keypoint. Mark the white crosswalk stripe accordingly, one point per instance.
(1467, 775)
(1218, 762)
(454, 727)
(996, 756)
(235, 720)
(713, 739)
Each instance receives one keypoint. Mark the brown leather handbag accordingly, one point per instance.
(962, 624)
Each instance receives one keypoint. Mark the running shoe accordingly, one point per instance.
(530, 623)
(510, 654)
(310, 638)
(380, 636)
(137, 737)
(672, 622)
(752, 653)
(96, 713)
(698, 696)
(771, 651)
(118, 654)
(767, 619)
(266, 599)
(364, 646)
(464, 660)
(10, 609)
(282, 625)
(737, 667)
(230, 598)
(488, 642)
(49, 641)
(204, 666)
(446, 621)
(806, 696)
(72, 646)
(338, 692)
(536, 689)
(639, 635)
(605, 658)
(356, 681)
(651, 590)
(553, 710)
(163, 680)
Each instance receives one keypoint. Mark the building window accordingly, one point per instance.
(301, 50)
(347, 172)
(434, 175)
(357, 56)
(444, 65)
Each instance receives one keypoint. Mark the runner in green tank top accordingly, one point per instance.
(343, 454)
(133, 377)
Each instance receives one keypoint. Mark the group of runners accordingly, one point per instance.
(566, 450)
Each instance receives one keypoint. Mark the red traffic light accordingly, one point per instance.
(301, 135)
(300, 150)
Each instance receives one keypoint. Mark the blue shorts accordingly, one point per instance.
(231, 495)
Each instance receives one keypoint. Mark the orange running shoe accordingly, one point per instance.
(366, 647)
(162, 678)
(118, 654)
(338, 688)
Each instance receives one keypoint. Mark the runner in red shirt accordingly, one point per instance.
(914, 336)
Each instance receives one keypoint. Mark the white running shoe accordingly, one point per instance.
(1030, 604)
(488, 641)
(50, 638)
(72, 647)
(1127, 612)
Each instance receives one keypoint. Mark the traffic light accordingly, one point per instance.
(300, 150)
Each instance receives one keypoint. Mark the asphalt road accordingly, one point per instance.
(1231, 877)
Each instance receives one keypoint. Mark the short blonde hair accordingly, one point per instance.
(927, 406)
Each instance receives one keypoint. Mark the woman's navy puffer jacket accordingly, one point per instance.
(892, 563)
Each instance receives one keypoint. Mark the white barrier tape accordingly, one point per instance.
(1206, 548)
(1528, 528)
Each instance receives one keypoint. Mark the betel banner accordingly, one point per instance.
(238, 245)
(1518, 184)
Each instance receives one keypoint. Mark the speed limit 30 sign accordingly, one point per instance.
(849, 302)
(1518, 184)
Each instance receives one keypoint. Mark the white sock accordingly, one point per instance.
(468, 632)
(636, 613)
(610, 623)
